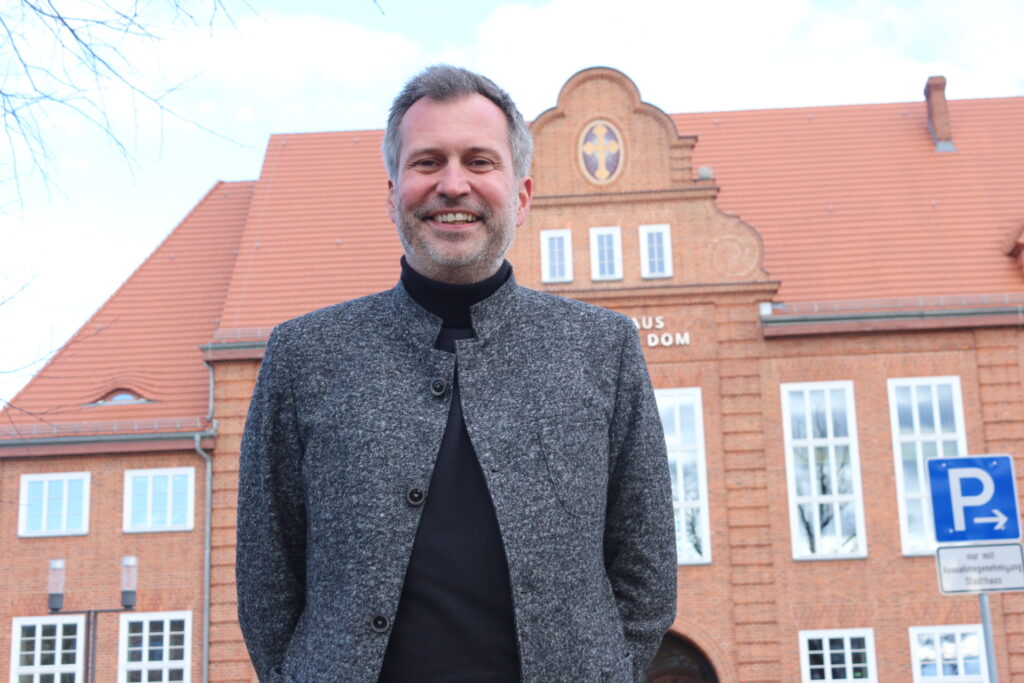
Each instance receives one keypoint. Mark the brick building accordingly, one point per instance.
(826, 297)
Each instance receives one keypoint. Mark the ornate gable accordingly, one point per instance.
(613, 180)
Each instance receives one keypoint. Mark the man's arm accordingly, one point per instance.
(271, 562)
(639, 537)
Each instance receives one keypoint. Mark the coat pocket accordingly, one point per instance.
(577, 461)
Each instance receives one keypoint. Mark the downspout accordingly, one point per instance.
(207, 532)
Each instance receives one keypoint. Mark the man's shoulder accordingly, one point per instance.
(346, 315)
(555, 309)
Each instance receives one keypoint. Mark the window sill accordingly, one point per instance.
(51, 534)
(158, 531)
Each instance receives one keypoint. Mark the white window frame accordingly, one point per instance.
(545, 255)
(595, 257)
(937, 631)
(911, 545)
(671, 399)
(28, 479)
(169, 472)
(123, 664)
(830, 443)
(846, 634)
(645, 253)
(78, 668)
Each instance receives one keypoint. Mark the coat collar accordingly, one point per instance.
(413, 322)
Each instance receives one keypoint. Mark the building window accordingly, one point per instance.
(47, 649)
(655, 251)
(556, 255)
(948, 654)
(927, 420)
(158, 500)
(54, 504)
(682, 418)
(838, 655)
(605, 254)
(155, 647)
(826, 508)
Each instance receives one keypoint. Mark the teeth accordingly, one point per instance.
(455, 218)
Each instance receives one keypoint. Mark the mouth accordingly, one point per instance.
(453, 218)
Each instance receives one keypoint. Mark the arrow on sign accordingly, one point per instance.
(1000, 519)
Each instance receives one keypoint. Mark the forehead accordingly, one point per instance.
(463, 123)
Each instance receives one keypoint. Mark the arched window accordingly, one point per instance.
(680, 661)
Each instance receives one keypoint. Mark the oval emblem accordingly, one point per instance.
(600, 151)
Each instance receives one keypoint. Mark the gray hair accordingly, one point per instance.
(443, 82)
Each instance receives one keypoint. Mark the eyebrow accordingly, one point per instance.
(472, 150)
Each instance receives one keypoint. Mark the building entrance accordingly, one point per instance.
(680, 661)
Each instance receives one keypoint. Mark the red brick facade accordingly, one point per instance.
(745, 609)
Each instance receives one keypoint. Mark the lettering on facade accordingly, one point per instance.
(649, 326)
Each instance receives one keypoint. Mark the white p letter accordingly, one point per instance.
(956, 492)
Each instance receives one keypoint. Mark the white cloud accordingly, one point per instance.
(700, 56)
(293, 72)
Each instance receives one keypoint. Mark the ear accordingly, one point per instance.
(391, 202)
(525, 196)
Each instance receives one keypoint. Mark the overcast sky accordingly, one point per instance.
(71, 236)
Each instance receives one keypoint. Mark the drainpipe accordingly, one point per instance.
(206, 559)
(207, 533)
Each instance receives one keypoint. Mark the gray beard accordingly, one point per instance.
(463, 267)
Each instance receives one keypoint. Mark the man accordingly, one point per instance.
(458, 479)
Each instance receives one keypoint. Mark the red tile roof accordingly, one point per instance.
(145, 339)
(853, 202)
(317, 231)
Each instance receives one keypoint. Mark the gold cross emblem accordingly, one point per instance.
(601, 151)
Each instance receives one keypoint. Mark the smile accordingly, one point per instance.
(455, 218)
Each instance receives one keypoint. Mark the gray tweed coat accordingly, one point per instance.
(347, 418)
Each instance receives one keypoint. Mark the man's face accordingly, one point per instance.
(455, 200)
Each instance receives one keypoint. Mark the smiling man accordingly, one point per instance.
(455, 195)
(459, 479)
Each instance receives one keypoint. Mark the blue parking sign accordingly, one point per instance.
(974, 499)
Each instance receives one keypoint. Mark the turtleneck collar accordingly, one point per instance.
(451, 302)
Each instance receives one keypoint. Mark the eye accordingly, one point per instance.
(480, 163)
(424, 164)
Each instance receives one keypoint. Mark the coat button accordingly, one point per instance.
(415, 496)
(380, 623)
(438, 386)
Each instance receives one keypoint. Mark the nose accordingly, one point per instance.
(453, 181)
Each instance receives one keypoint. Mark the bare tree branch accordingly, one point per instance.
(16, 292)
(72, 55)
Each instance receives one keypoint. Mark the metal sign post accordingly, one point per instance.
(990, 644)
(974, 500)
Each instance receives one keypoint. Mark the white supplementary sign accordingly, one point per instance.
(980, 568)
(652, 332)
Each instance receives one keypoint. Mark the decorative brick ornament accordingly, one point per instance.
(601, 152)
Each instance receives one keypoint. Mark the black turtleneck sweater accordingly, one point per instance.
(455, 620)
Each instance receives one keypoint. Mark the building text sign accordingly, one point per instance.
(974, 499)
(653, 332)
(980, 568)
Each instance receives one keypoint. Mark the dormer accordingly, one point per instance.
(119, 397)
